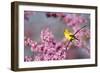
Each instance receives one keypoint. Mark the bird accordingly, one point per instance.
(71, 36)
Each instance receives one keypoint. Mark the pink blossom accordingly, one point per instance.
(73, 20)
(83, 36)
(28, 58)
(46, 35)
(48, 49)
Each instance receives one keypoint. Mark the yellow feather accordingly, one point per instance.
(67, 34)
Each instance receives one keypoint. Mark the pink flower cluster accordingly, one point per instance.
(47, 48)
(46, 35)
(28, 58)
(74, 20)
(83, 36)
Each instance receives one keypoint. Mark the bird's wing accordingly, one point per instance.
(67, 34)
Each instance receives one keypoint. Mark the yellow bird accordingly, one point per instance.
(68, 35)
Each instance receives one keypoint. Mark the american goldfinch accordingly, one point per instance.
(68, 35)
